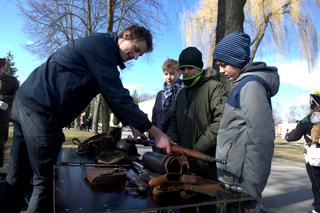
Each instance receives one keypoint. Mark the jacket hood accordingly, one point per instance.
(210, 73)
(268, 73)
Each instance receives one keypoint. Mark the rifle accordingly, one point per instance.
(195, 154)
(181, 150)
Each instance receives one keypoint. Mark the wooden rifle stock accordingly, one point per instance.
(195, 154)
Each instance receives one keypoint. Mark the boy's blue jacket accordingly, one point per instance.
(66, 83)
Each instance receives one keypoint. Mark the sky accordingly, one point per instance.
(145, 74)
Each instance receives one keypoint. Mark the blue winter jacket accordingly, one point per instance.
(71, 77)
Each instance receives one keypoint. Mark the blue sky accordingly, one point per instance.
(145, 74)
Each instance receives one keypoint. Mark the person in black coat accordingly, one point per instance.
(55, 93)
(8, 87)
(304, 128)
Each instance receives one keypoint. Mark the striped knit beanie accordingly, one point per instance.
(233, 49)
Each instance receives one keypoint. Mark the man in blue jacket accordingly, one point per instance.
(55, 93)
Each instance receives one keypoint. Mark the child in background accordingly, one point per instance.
(162, 110)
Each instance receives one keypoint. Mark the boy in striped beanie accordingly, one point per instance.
(246, 134)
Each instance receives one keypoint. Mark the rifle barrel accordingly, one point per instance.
(195, 154)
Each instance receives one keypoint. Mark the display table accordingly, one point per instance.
(73, 193)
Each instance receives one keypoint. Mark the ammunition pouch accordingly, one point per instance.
(115, 178)
(165, 163)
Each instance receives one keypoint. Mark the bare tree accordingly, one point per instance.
(54, 23)
(276, 113)
(292, 114)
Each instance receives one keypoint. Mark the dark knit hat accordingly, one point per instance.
(2, 62)
(191, 57)
(233, 49)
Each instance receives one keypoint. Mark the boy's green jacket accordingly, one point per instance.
(197, 114)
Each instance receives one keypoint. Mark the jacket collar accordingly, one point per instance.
(119, 59)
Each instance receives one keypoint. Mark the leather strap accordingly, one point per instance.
(210, 189)
(175, 178)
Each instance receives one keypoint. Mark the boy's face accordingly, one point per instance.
(171, 76)
(188, 71)
(231, 72)
(131, 49)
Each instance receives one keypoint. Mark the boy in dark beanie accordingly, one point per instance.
(197, 113)
(246, 134)
(190, 126)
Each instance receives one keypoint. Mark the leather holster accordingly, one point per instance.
(115, 177)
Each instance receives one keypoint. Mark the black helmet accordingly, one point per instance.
(127, 146)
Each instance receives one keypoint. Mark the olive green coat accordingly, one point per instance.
(196, 118)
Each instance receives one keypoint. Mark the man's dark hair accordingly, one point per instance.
(139, 33)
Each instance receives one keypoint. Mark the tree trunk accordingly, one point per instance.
(105, 115)
(77, 123)
(230, 17)
(97, 103)
(111, 8)
(89, 22)
(102, 110)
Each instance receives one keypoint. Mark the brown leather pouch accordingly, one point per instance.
(115, 177)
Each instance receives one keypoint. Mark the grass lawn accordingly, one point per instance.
(283, 149)
(291, 151)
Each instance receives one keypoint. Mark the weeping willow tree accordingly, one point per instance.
(280, 23)
(198, 27)
(287, 24)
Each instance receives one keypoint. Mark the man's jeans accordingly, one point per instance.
(37, 140)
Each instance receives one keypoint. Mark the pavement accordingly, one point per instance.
(288, 188)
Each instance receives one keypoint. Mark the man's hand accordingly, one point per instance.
(286, 137)
(163, 142)
(136, 134)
